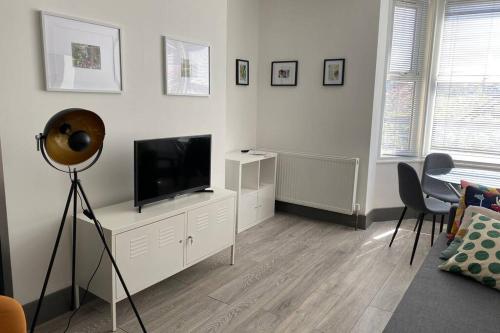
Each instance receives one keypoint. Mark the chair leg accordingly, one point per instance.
(433, 229)
(442, 223)
(397, 226)
(420, 222)
(416, 225)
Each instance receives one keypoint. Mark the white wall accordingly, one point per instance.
(242, 43)
(312, 118)
(36, 193)
(386, 191)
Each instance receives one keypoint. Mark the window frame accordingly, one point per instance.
(439, 12)
(433, 47)
(483, 160)
(419, 78)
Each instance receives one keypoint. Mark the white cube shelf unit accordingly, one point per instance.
(253, 177)
(166, 238)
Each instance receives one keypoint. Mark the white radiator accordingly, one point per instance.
(323, 182)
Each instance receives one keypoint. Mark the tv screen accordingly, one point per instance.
(168, 167)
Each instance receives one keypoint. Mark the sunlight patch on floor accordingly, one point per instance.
(383, 235)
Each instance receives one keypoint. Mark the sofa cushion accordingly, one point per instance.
(464, 228)
(469, 193)
(479, 255)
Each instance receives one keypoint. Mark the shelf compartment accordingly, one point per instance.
(250, 176)
(268, 171)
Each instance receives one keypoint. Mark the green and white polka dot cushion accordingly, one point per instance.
(479, 254)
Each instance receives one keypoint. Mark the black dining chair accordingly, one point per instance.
(435, 188)
(410, 191)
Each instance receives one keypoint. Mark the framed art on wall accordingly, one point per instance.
(187, 68)
(284, 73)
(242, 72)
(81, 55)
(333, 72)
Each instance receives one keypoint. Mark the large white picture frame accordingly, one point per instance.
(81, 55)
(187, 68)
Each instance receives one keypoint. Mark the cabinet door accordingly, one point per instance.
(209, 230)
(247, 211)
(149, 254)
(265, 205)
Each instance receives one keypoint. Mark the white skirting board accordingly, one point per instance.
(318, 181)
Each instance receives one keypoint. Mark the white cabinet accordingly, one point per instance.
(209, 229)
(150, 254)
(247, 210)
(164, 239)
(266, 200)
(253, 177)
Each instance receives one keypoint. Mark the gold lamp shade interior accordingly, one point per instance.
(70, 123)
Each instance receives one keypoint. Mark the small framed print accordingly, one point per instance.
(81, 55)
(284, 73)
(333, 72)
(187, 68)
(242, 72)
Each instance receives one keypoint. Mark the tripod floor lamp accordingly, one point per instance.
(70, 138)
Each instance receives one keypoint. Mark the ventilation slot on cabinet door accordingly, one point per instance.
(138, 246)
(221, 215)
(166, 236)
(202, 222)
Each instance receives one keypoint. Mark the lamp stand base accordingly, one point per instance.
(76, 187)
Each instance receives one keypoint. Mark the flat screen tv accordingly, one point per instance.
(165, 168)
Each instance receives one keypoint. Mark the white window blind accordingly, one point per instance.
(404, 79)
(466, 113)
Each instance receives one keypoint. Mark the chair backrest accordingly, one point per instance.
(410, 189)
(435, 161)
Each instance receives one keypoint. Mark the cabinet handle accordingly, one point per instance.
(190, 239)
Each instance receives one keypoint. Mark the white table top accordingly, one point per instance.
(124, 216)
(249, 157)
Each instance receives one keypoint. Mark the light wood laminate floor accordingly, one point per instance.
(291, 275)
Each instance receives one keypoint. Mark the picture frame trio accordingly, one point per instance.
(284, 73)
(85, 56)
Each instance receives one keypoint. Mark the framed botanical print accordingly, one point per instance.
(187, 68)
(81, 55)
(242, 72)
(284, 73)
(333, 72)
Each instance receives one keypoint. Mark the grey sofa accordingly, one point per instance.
(438, 301)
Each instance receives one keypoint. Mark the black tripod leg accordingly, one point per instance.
(74, 296)
(110, 254)
(52, 258)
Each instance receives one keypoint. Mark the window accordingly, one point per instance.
(463, 116)
(466, 113)
(404, 79)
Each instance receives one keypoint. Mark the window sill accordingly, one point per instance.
(459, 162)
(389, 160)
